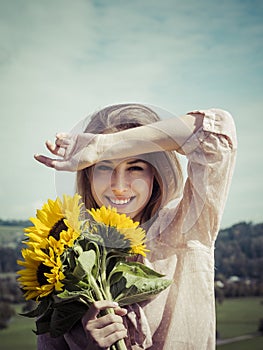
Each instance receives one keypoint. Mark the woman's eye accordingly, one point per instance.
(103, 168)
(135, 168)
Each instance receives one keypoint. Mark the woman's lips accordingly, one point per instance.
(119, 201)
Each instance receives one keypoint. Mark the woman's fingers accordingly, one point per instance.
(62, 135)
(63, 140)
(59, 148)
(107, 336)
(97, 306)
(113, 338)
(120, 311)
(45, 160)
(58, 164)
(74, 152)
(106, 324)
(107, 329)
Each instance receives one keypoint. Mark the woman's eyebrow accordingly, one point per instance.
(136, 161)
(133, 161)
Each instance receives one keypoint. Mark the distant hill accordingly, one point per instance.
(239, 251)
(21, 223)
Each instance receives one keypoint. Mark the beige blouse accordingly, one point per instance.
(181, 243)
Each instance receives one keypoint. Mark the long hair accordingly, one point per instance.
(168, 179)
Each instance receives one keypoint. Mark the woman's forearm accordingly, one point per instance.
(165, 135)
(76, 152)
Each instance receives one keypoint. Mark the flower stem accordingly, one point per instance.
(99, 293)
(104, 292)
(104, 282)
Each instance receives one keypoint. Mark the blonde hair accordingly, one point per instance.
(168, 179)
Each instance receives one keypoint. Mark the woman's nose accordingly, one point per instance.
(119, 182)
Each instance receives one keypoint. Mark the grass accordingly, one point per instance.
(239, 316)
(250, 344)
(19, 334)
(235, 317)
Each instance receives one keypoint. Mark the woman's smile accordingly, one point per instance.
(125, 184)
(119, 201)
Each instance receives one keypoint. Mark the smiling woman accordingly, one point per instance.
(125, 157)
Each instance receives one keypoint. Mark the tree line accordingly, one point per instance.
(238, 250)
(239, 261)
(19, 223)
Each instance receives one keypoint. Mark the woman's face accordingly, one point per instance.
(125, 184)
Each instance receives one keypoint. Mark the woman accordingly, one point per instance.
(126, 158)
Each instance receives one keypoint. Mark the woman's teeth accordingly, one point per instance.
(120, 201)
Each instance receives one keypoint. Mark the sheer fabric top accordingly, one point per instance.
(181, 242)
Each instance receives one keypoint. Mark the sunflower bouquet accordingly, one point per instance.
(69, 263)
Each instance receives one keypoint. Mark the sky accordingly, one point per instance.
(61, 60)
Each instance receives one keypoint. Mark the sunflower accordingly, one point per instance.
(110, 217)
(137, 240)
(125, 225)
(42, 273)
(57, 219)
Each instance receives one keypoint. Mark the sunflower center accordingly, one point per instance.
(57, 228)
(41, 278)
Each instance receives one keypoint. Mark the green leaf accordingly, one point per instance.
(85, 263)
(84, 296)
(94, 246)
(43, 323)
(142, 291)
(135, 268)
(111, 260)
(42, 306)
(61, 316)
(77, 249)
(116, 277)
(138, 283)
(65, 316)
(88, 243)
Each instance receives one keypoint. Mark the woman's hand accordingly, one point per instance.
(76, 152)
(104, 331)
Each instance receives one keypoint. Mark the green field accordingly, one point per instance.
(235, 317)
(251, 344)
(19, 334)
(239, 316)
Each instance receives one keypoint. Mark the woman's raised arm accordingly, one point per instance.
(76, 152)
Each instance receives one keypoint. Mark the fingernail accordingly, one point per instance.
(115, 303)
